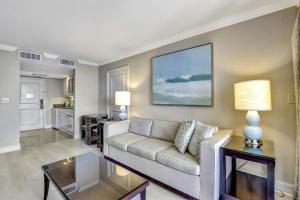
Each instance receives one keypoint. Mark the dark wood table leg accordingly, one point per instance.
(143, 195)
(46, 186)
(233, 177)
(222, 172)
(270, 181)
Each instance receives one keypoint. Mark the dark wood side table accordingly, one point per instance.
(87, 123)
(236, 148)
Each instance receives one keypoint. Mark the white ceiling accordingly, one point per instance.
(45, 68)
(103, 31)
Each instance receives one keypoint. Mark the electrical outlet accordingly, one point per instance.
(291, 99)
(4, 100)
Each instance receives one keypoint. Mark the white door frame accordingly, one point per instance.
(43, 90)
(126, 67)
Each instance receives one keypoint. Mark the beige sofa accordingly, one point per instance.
(148, 147)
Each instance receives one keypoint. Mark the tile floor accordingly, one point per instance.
(42, 136)
(21, 177)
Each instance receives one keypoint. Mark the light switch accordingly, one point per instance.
(4, 100)
(291, 99)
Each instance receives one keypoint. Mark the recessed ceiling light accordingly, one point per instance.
(51, 56)
(8, 47)
(85, 62)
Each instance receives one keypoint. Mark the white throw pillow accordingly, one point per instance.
(201, 132)
(184, 135)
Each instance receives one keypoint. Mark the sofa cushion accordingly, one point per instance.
(183, 162)
(123, 140)
(201, 132)
(140, 126)
(164, 130)
(148, 148)
(184, 135)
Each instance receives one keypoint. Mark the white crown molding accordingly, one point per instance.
(85, 62)
(50, 55)
(10, 148)
(5, 47)
(42, 75)
(277, 6)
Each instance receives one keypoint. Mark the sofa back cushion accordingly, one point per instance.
(140, 126)
(164, 130)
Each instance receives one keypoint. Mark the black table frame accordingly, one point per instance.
(234, 154)
(141, 189)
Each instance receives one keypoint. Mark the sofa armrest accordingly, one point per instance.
(113, 128)
(210, 164)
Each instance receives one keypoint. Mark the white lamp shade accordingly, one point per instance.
(120, 171)
(253, 95)
(122, 98)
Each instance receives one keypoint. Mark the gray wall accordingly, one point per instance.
(86, 93)
(255, 49)
(54, 95)
(9, 87)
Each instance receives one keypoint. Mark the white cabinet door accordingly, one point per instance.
(66, 120)
(117, 80)
(69, 86)
(31, 104)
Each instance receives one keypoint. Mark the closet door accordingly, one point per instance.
(117, 80)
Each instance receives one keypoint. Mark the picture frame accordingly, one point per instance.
(184, 77)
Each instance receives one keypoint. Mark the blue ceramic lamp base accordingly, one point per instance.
(253, 132)
(122, 114)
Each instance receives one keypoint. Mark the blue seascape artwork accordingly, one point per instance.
(183, 77)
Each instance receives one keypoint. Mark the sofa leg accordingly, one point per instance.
(143, 195)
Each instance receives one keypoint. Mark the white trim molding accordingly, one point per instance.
(10, 148)
(224, 22)
(85, 62)
(123, 68)
(6, 47)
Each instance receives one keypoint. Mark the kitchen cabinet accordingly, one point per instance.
(64, 119)
(69, 86)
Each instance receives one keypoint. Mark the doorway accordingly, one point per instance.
(117, 80)
(31, 104)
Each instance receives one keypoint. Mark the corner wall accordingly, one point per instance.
(54, 95)
(256, 49)
(9, 113)
(86, 93)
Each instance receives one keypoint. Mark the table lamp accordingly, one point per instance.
(122, 99)
(253, 96)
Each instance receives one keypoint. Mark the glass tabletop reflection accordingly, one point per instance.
(89, 176)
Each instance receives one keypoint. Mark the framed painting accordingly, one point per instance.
(184, 77)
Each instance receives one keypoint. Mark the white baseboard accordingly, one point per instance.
(286, 188)
(77, 136)
(48, 126)
(10, 148)
(260, 170)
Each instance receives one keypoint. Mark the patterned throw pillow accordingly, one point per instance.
(184, 134)
(202, 132)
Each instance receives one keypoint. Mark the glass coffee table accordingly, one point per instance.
(91, 177)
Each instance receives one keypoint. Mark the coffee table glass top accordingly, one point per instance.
(91, 177)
